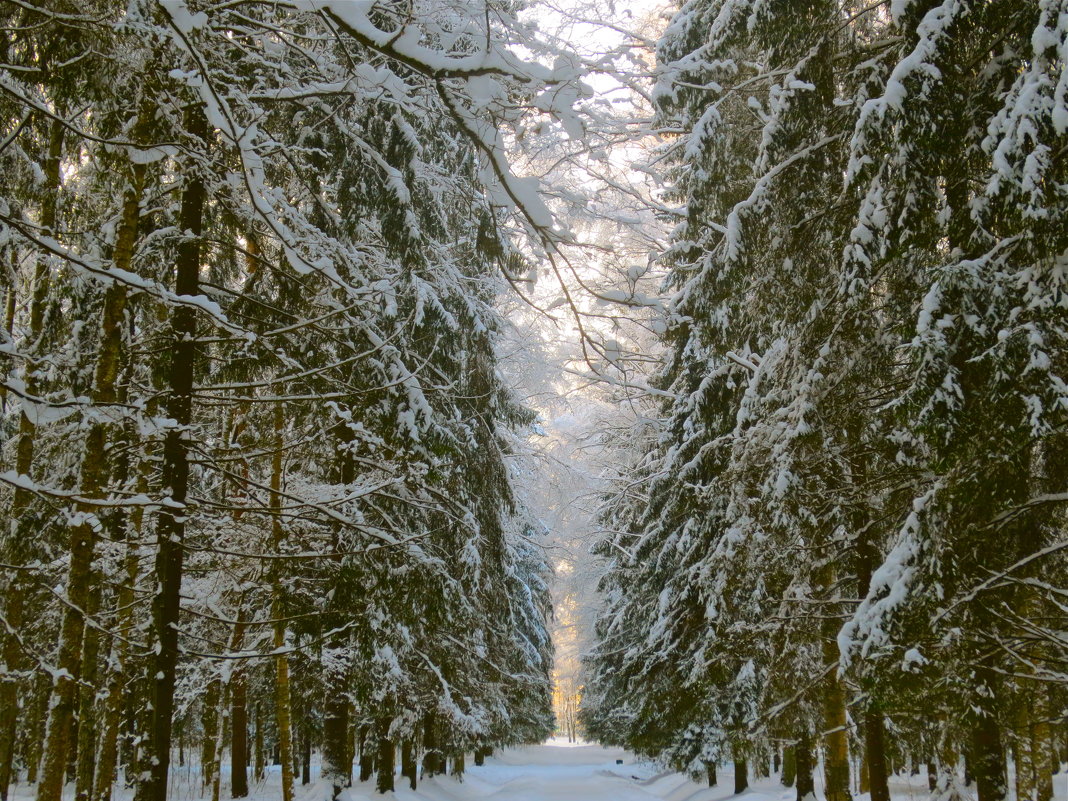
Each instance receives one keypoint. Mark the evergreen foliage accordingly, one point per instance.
(855, 510)
(256, 452)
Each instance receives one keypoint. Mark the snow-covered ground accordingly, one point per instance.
(555, 771)
(562, 772)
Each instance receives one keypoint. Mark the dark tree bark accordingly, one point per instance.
(710, 774)
(305, 772)
(259, 758)
(741, 775)
(238, 714)
(874, 725)
(337, 762)
(803, 766)
(367, 755)
(15, 596)
(238, 735)
(433, 758)
(989, 765)
(386, 757)
(85, 772)
(409, 768)
(166, 605)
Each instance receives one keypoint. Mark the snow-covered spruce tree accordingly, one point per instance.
(741, 85)
(958, 154)
(294, 254)
(881, 356)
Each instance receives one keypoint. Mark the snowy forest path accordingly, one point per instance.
(547, 773)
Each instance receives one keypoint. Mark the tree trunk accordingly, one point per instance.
(431, 755)
(836, 738)
(118, 665)
(209, 724)
(803, 766)
(741, 775)
(87, 708)
(336, 760)
(221, 733)
(259, 764)
(238, 716)
(170, 530)
(17, 518)
(36, 725)
(9, 327)
(337, 756)
(305, 772)
(1034, 779)
(710, 774)
(386, 757)
(989, 756)
(283, 711)
(94, 478)
(409, 768)
(367, 755)
(238, 736)
(459, 765)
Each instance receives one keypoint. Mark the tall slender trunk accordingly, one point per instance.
(219, 734)
(459, 764)
(367, 754)
(803, 766)
(874, 774)
(282, 702)
(710, 773)
(238, 736)
(36, 722)
(209, 724)
(741, 775)
(175, 478)
(15, 596)
(1042, 744)
(94, 475)
(836, 736)
(432, 756)
(336, 760)
(386, 756)
(87, 706)
(9, 323)
(118, 664)
(835, 741)
(259, 759)
(409, 767)
(987, 749)
(337, 757)
(94, 478)
(305, 767)
(238, 717)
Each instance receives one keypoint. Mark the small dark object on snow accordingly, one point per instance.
(619, 761)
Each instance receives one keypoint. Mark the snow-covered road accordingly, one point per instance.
(553, 773)
(557, 773)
